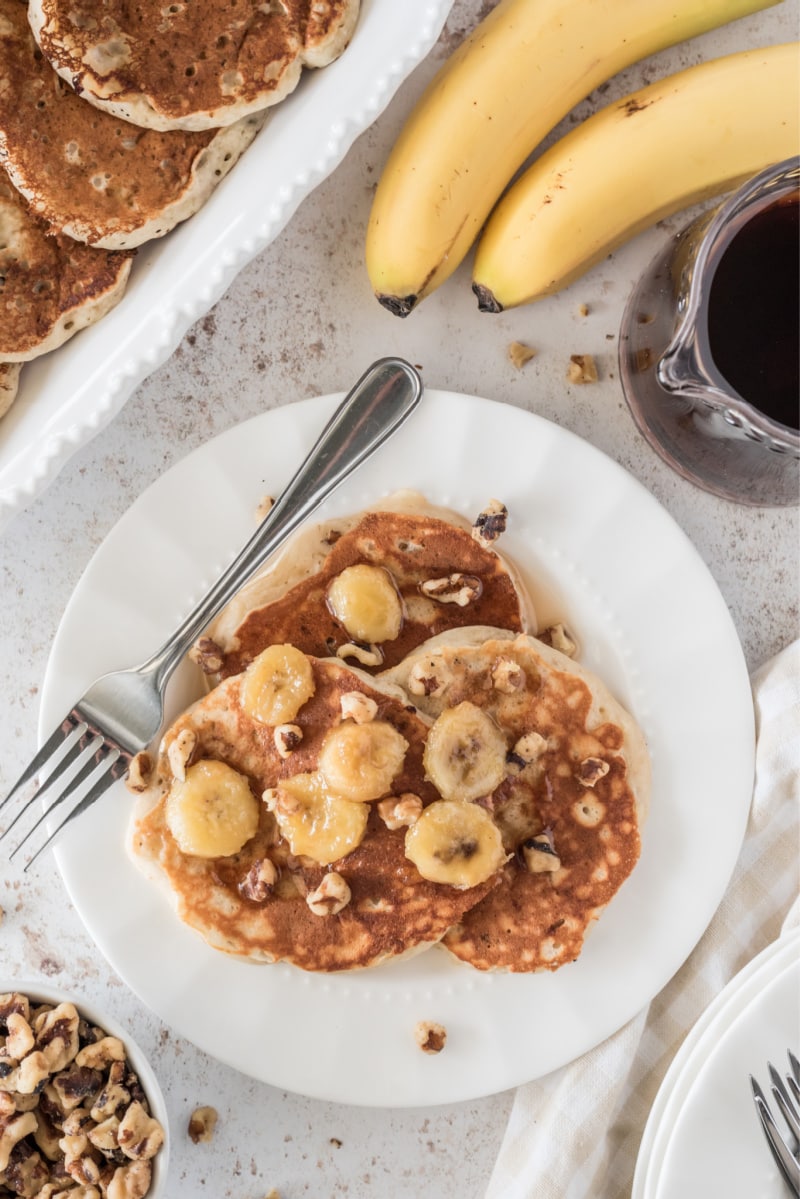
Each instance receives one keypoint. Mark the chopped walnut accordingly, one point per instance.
(558, 637)
(591, 770)
(63, 1105)
(429, 676)
(520, 353)
(507, 676)
(490, 523)
(583, 310)
(539, 855)
(581, 369)
(456, 588)
(264, 506)
(400, 811)
(357, 706)
(140, 772)
(139, 1135)
(180, 752)
(130, 1182)
(202, 1123)
(529, 747)
(287, 737)
(330, 897)
(430, 1036)
(206, 654)
(367, 655)
(259, 881)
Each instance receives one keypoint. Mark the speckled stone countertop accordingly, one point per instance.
(300, 320)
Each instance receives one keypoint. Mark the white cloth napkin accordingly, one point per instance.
(575, 1134)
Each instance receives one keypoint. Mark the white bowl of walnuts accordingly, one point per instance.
(81, 1112)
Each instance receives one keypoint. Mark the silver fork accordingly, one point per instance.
(121, 713)
(785, 1149)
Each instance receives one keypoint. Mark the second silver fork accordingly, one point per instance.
(785, 1148)
(121, 713)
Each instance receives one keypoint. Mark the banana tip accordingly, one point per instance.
(486, 300)
(397, 305)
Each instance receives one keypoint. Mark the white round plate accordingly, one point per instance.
(703, 1136)
(600, 552)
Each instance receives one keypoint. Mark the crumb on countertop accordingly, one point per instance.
(202, 1123)
(520, 353)
(582, 369)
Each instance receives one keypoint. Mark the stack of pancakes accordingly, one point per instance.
(116, 123)
(388, 758)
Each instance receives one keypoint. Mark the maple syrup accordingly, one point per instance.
(754, 312)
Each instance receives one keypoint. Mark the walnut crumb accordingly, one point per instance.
(430, 1036)
(263, 508)
(582, 369)
(202, 1123)
(520, 353)
(583, 310)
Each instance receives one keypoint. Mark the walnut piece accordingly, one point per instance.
(139, 1135)
(539, 855)
(520, 353)
(400, 811)
(558, 637)
(259, 881)
(581, 369)
(287, 737)
(430, 1036)
(180, 752)
(358, 707)
(139, 773)
(490, 523)
(591, 770)
(206, 654)
(456, 588)
(202, 1123)
(507, 676)
(330, 897)
(429, 676)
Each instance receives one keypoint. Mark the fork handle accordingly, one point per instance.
(382, 399)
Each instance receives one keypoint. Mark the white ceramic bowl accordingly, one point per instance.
(42, 992)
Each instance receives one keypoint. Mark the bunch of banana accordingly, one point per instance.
(520, 71)
(678, 141)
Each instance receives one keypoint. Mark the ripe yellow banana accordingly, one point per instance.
(680, 140)
(511, 81)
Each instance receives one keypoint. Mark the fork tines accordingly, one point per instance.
(785, 1147)
(80, 757)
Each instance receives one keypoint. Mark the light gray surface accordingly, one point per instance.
(299, 321)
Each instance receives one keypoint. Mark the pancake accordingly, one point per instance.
(571, 804)
(50, 286)
(9, 384)
(189, 66)
(89, 174)
(417, 544)
(255, 900)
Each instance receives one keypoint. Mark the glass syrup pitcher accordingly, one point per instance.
(710, 345)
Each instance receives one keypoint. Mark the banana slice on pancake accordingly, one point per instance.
(88, 174)
(321, 815)
(370, 588)
(50, 286)
(571, 803)
(189, 66)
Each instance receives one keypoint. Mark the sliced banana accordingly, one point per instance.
(212, 812)
(465, 753)
(360, 761)
(455, 843)
(365, 600)
(276, 684)
(316, 823)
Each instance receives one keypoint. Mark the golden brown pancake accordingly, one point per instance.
(572, 803)
(415, 543)
(189, 65)
(392, 909)
(9, 384)
(89, 174)
(50, 286)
